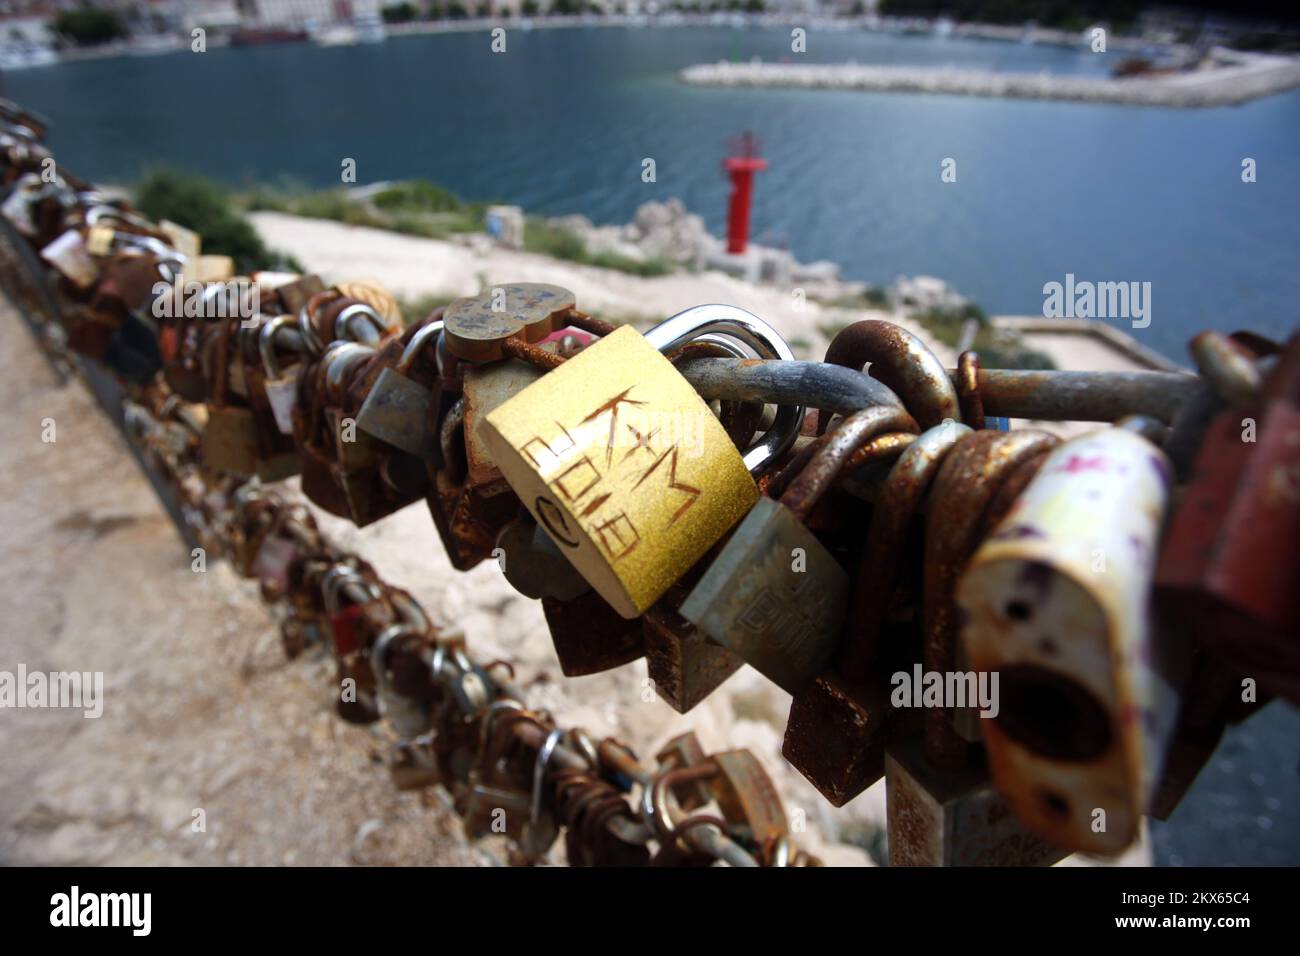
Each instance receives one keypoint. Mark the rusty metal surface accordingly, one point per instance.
(836, 735)
(684, 665)
(878, 570)
(1229, 367)
(477, 327)
(956, 818)
(828, 461)
(827, 387)
(968, 389)
(967, 480)
(534, 355)
(590, 636)
(1083, 396)
(903, 362)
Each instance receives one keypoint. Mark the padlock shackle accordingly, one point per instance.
(266, 342)
(1228, 366)
(418, 341)
(343, 323)
(338, 358)
(970, 476)
(736, 323)
(827, 464)
(878, 570)
(903, 362)
(814, 384)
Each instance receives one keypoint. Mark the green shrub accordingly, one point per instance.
(199, 204)
(648, 268)
(554, 241)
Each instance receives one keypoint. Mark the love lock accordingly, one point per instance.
(1055, 602)
(397, 408)
(775, 596)
(1228, 573)
(840, 722)
(622, 463)
(942, 807)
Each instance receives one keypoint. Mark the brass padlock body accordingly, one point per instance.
(597, 451)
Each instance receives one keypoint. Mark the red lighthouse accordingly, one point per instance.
(741, 168)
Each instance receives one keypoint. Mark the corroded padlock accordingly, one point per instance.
(749, 801)
(471, 501)
(234, 440)
(1055, 604)
(280, 379)
(506, 792)
(775, 595)
(683, 664)
(943, 809)
(840, 722)
(952, 817)
(624, 465)
(481, 328)
(1228, 573)
(397, 407)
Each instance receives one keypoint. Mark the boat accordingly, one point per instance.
(25, 54)
(364, 28)
(370, 28)
(153, 44)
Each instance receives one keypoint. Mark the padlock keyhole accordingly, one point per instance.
(1052, 715)
(1018, 611)
(1056, 804)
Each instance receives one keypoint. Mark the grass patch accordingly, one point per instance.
(415, 208)
(558, 242)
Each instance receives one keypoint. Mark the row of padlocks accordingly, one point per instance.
(1035, 642)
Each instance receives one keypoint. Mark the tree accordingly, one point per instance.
(89, 27)
(399, 13)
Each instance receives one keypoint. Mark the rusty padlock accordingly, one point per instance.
(1055, 603)
(397, 407)
(1228, 572)
(775, 596)
(840, 722)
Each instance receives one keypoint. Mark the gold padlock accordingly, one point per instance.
(624, 465)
